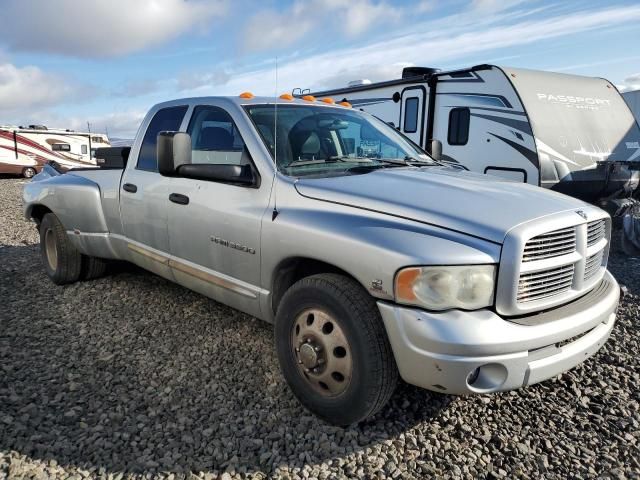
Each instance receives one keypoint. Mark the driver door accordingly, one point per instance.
(214, 227)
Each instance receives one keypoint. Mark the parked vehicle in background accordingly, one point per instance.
(24, 151)
(568, 133)
(372, 259)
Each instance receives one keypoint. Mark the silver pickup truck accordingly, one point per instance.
(373, 261)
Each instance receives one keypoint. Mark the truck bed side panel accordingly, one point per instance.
(109, 184)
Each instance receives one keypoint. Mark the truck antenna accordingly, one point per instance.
(275, 147)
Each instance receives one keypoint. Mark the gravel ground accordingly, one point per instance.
(132, 376)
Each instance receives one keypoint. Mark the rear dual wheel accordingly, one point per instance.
(333, 349)
(62, 261)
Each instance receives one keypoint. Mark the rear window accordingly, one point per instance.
(459, 126)
(167, 119)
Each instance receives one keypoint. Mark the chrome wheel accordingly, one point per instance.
(51, 249)
(28, 172)
(322, 352)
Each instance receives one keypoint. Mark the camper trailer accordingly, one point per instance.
(568, 133)
(24, 151)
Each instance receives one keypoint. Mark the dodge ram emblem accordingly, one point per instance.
(582, 214)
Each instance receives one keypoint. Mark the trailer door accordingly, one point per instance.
(412, 113)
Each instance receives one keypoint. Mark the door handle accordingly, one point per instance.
(130, 187)
(179, 199)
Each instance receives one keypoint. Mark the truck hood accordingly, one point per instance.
(470, 203)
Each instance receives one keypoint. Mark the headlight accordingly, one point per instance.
(439, 288)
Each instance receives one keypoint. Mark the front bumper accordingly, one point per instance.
(460, 352)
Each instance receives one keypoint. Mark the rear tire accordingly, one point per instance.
(28, 172)
(333, 349)
(61, 260)
(93, 267)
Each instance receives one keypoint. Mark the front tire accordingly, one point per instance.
(61, 260)
(333, 349)
(29, 172)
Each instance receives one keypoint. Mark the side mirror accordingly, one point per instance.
(173, 150)
(435, 149)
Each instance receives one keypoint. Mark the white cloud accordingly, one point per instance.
(425, 6)
(632, 82)
(25, 88)
(272, 29)
(491, 6)
(375, 73)
(122, 124)
(193, 81)
(442, 40)
(100, 28)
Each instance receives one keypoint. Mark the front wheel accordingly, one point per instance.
(333, 349)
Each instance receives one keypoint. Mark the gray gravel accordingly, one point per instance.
(132, 376)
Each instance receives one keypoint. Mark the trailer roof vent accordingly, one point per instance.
(38, 127)
(409, 72)
(359, 83)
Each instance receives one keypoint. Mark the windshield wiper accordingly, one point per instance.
(317, 161)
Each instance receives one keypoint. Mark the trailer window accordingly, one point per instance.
(84, 149)
(61, 147)
(459, 126)
(166, 119)
(411, 115)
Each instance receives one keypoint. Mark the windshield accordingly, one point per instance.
(322, 141)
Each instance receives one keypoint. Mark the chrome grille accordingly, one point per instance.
(552, 244)
(596, 231)
(545, 283)
(593, 264)
(552, 260)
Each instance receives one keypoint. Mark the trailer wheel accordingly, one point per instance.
(333, 349)
(28, 172)
(61, 260)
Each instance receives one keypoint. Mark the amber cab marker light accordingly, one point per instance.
(404, 284)
(345, 104)
(286, 96)
(309, 98)
(328, 100)
(247, 95)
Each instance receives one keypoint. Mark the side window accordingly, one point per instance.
(61, 147)
(411, 115)
(459, 126)
(84, 149)
(169, 119)
(215, 139)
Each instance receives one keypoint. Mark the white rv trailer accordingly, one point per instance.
(569, 133)
(25, 151)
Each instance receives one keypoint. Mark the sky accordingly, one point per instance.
(64, 63)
